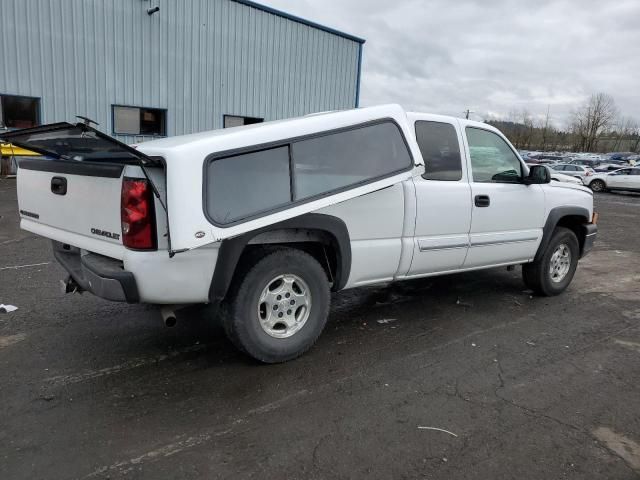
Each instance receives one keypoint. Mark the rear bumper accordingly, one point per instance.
(591, 232)
(103, 276)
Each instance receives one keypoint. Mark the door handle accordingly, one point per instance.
(482, 201)
(59, 185)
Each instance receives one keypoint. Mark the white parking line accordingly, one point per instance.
(9, 340)
(126, 466)
(16, 267)
(61, 380)
(632, 345)
(622, 446)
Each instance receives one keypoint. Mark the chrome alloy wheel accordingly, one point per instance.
(284, 306)
(560, 263)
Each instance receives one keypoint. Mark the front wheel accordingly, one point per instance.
(277, 310)
(598, 186)
(552, 273)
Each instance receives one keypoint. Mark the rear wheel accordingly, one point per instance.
(279, 307)
(598, 186)
(552, 273)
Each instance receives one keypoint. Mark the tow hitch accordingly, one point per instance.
(69, 285)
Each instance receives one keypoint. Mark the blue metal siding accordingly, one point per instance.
(198, 59)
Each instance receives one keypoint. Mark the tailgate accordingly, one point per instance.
(72, 193)
(72, 203)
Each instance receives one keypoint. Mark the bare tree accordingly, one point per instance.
(545, 131)
(634, 137)
(592, 119)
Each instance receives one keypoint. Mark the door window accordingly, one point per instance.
(492, 160)
(440, 150)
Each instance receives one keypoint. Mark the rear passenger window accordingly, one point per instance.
(338, 160)
(440, 150)
(245, 185)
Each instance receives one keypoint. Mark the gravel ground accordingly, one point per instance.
(524, 387)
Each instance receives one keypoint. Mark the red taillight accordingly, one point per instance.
(137, 214)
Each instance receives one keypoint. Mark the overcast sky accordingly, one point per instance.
(493, 56)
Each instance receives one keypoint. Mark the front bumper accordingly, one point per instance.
(590, 234)
(103, 276)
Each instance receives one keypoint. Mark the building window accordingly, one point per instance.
(236, 121)
(19, 112)
(139, 121)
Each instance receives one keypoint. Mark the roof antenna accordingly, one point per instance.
(87, 121)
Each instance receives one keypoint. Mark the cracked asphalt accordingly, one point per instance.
(519, 386)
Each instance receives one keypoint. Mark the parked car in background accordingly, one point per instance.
(545, 158)
(580, 172)
(633, 160)
(586, 162)
(611, 165)
(619, 155)
(622, 179)
(559, 177)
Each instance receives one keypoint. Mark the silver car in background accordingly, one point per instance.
(581, 172)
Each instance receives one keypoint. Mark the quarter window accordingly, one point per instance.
(492, 160)
(440, 150)
(245, 185)
(139, 121)
(338, 160)
(19, 112)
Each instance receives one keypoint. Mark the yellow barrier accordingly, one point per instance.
(7, 150)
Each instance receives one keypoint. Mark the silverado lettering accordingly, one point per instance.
(104, 233)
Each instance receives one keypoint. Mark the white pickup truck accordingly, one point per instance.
(264, 221)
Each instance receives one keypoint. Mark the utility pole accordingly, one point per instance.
(467, 112)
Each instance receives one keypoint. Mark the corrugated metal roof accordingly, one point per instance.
(301, 20)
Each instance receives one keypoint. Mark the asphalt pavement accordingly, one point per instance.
(460, 377)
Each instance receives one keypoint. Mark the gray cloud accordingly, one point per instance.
(493, 57)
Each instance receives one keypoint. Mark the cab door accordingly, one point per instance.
(507, 215)
(443, 199)
(620, 179)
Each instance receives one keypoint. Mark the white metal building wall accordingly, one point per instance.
(198, 59)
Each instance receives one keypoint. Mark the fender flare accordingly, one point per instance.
(231, 249)
(555, 215)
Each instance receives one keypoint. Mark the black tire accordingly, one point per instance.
(242, 308)
(598, 186)
(538, 276)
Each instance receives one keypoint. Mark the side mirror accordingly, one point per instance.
(538, 174)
